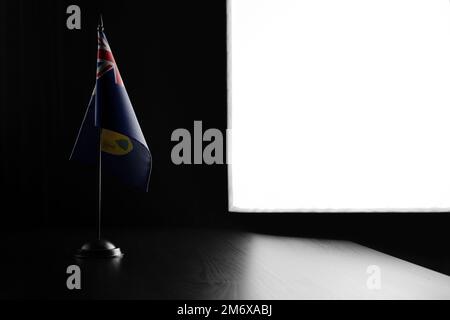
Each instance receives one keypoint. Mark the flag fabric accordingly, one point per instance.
(111, 121)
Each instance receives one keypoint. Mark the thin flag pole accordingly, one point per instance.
(99, 215)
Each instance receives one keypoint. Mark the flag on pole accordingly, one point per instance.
(110, 117)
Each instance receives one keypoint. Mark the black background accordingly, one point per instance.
(173, 61)
(172, 57)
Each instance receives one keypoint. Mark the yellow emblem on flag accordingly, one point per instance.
(115, 143)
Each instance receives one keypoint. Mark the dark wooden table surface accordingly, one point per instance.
(208, 264)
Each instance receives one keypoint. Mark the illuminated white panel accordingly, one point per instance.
(339, 105)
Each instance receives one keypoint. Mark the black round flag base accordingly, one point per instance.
(98, 249)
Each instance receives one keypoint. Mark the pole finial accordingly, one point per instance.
(100, 24)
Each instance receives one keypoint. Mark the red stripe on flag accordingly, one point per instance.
(105, 55)
(102, 72)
